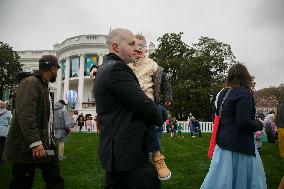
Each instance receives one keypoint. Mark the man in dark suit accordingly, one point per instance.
(124, 113)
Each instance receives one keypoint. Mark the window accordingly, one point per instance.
(90, 61)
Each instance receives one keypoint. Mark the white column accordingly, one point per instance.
(81, 82)
(101, 58)
(59, 85)
(67, 76)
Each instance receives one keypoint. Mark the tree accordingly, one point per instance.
(9, 67)
(212, 59)
(268, 99)
(196, 72)
(173, 55)
(278, 92)
(266, 104)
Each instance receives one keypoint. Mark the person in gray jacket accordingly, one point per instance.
(5, 119)
(63, 123)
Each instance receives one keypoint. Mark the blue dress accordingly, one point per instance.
(233, 170)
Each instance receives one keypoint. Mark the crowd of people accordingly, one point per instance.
(130, 116)
(86, 122)
(175, 129)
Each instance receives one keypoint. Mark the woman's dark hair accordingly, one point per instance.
(239, 75)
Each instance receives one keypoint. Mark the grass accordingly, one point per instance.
(186, 157)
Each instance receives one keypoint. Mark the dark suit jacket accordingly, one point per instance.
(124, 112)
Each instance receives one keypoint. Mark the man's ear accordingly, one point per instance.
(115, 47)
(52, 68)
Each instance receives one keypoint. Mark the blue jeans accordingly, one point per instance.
(153, 139)
(153, 136)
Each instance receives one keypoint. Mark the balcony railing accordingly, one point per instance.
(87, 105)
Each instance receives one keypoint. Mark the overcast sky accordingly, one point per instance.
(253, 28)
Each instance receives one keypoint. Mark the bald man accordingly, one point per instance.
(124, 112)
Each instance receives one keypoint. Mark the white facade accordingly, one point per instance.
(75, 55)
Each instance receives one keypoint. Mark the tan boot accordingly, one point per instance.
(163, 172)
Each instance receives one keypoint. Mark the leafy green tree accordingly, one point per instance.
(9, 67)
(173, 55)
(211, 61)
(196, 72)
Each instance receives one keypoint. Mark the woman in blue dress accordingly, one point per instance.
(236, 163)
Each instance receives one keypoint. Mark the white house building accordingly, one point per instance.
(76, 55)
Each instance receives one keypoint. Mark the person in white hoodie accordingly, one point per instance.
(63, 123)
(5, 118)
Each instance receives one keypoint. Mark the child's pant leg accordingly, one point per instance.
(152, 141)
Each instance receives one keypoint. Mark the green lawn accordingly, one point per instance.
(186, 157)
